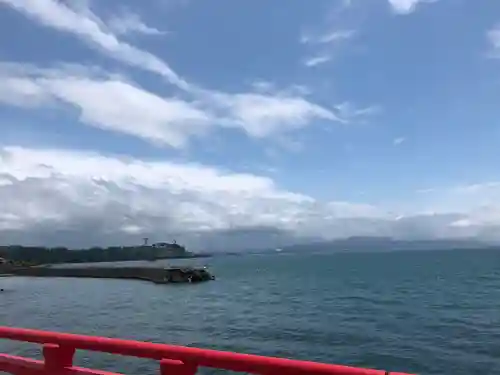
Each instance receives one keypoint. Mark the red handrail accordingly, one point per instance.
(59, 348)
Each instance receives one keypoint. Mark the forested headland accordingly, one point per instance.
(34, 255)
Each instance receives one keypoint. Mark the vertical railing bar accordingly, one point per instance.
(57, 357)
(175, 367)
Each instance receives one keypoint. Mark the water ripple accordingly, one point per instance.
(432, 313)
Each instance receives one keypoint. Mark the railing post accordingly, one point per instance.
(173, 367)
(57, 357)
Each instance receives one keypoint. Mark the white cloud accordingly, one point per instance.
(129, 23)
(22, 92)
(479, 201)
(109, 103)
(66, 189)
(114, 103)
(493, 36)
(262, 115)
(406, 6)
(81, 22)
(403, 6)
(278, 111)
(349, 112)
(263, 86)
(328, 43)
(316, 60)
(478, 188)
(398, 141)
(331, 36)
(119, 106)
(56, 196)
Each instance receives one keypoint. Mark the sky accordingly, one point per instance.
(287, 120)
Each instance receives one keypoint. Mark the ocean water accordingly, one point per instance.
(418, 312)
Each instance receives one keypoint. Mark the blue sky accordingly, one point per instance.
(305, 114)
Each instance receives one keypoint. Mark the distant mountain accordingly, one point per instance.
(245, 240)
(380, 244)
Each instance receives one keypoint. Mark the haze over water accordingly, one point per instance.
(421, 312)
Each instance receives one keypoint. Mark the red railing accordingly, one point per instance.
(59, 349)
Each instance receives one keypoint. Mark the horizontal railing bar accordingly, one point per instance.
(16, 365)
(202, 357)
(27, 366)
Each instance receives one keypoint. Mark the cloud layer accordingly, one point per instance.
(66, 189)
(122, 199)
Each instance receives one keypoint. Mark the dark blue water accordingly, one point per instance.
(421, 312)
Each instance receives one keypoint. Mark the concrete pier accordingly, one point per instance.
(156, 275)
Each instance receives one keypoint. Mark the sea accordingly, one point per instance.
(428, 312)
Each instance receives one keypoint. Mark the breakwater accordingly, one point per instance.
(156, 275)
